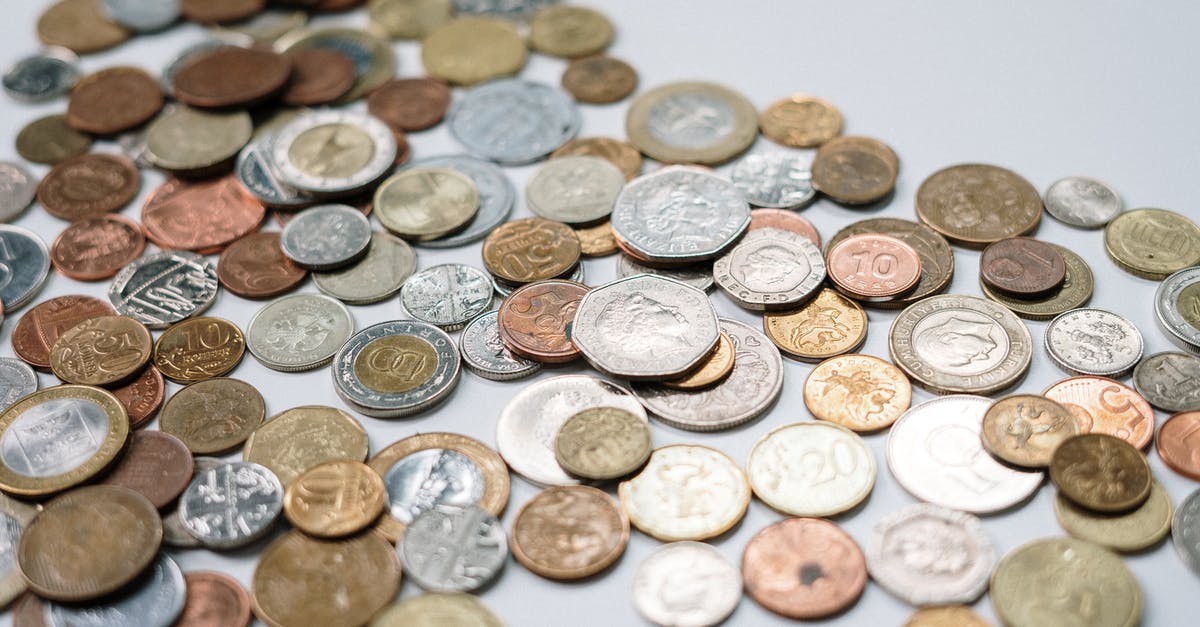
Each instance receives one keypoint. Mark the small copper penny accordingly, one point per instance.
(232, 77)
(203, 216)
(535, 320)
(828, 325)
(335, 499)
(1102, 405)
(220, 11)
(38, 329)
(784, 220)
(255, 267)
(873, 266)
(214, 600)
(1179, 444)
(597, 241)
(199, 349)
(89, 186)
(101, 351)
(142, 397)
(410, 104)
(1025, 429)
(79, 26)
(599, 79)
(532, 249)
(620, 153)
(1101, 473)
(156, 465)
(804, 568)
(855, 170)
(1023, 267)
(319, 76)
(800, 121)
(97, 248)
(114, 100)
(713, 370)
(569, 532)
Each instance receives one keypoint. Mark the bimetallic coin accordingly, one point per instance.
(231, 505)
(397, 368)
(860, 392)
(686, 492)
(1132, 531)
(775, 179)
(1169, 381)
(437, 609)
(929, 555)
(1082, 202)
(937, 258)
(484, 353)
(813, 469)
(530, 249)
(471, 50)
(15, 516)
(377, 276)
(161, 289)
(24, 263)
(1175, 444)
(327, 237)
(1095, 342)
(453, 549)
(333, 152)
(1185, 531)
(1102, 405)
(256, 171)
(575, 190)
(199, 349)
(1101, 472)
(496, 197)
(686, 584)
(699, 276)
(871, 266)
(1177, 307)
(569, 532)
(830, 324)
(801, 121)
(804, 568)
(17, 380)
(299, 332)
(17, 189)
(1152, 243)
(156, 599)
(302, 437)
(855, 170)
(426, 203)
(771, 269)
(514, 121)
(691, 122)
(1075, 291)
(448, 295)
(1024, 429)
(335, 499)
(603, 443)
(213, 416)
(976, 204)
(43, 76)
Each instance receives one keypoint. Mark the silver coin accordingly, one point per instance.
(954, 344)
(935, 452)
(24, 266)
(699, 276)
(686, 584)
(1169, 381)
(484, 353)
(448, 295)
(837, 472)
(257, 173)
(579, 191)
(416, 366)
(380, 274)
(1177, 306)
(326, 237)
(505, 289)
(496, 198)
(771, 269)
(42, 77)
(1082, 202)
(356, 150)
(134, 145)
(15, 516)
(512, 9)
(528, 425)
(175, 534)
(173, 146)
(143, 16)
(431, 478)
(453, 549)
(514, 121)
(680, 214)
(781, 180)
(161, 289)
(929, 555)
(182, 58)
(54, 437)
(1093, 342)
(231, 505)
(17, 380)
(750, 389)
(298, 332)
(155, 599)
(645, 327)
(1185, 531)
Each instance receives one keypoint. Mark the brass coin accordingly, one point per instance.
(855, 170)
(199, 349)
(603, 443)
(471, 50)
(532, 249)
(597, 241)
(1101, 472)
(569, 31)
(89, 542)
(569, 532)
(1152, 243)
(437, 609)
(714, 369)
(50, 140)
(800, 121)
(390, 380)
(1025, 429)
(946, 616)
(599, 79)
(408, 19)
(101, 351)
(15, 516)
(187, 141)
(335, 499)
(426, 203)
(297, 439)
(213, 416)
(620, 153)
(79, 26)
(937, 258)
(1139, 529)
(1075, 292)
(860, 392)
(976, 204)
(827, 325)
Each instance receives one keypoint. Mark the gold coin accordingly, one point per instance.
(1152, 243)
(718, 366)
(1075, 291)
(569, 31)
(335, 499)
(619, 153)
(366, 49)
(199, 349)
(79, 26)
(603, 443)
(302, 437)
(213, 416)
(1101, 472)
(188, 141)
(470, 50)
(101, 351)
(569, 532)
(408, 19)
(1133, 531)
(946, 616)
(437, 609)
(855, 170)
(859, 392)
(50, 140)
(15, 516)
(1025, 429)
(827, 325)
(801, 121)
(597, 241)
(976, 204)
(310, 150)
(426, 203)
(391, 380)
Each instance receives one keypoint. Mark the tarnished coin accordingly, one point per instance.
(214, 599)
(485, 354)
(860, 392)
(699, 276)
(620, 153)
(775, 179)
(1152, 243)
(142, 397)
(232, 77)
(1102, 405)
(1082, 202)
(829, 324)
(496, 198)
(937, 258)
(946, 616)
(397, 368)
(575, 190)
(156, 465)
(513, 121)
(801, 121)
(804, 568)
(101, 351)
(298, 332)
(50, 140)
(531, 249)
(976, 204)
(24, 262)
(333, 152)
(17, 380)
(603, 443)
(1175, 446)
(453, 549)
(855, 170)
(191, 142)
(374, 58)
(691, 122)
(686, 492)
(1075, 291)
(1101, 472)
(437, 609)
(448, 295)
(79, 26)
(15, 516)
(569, 532)
(535, 321)
(1132, 531)
(199, 349)
(929, 555)
(202, 216)
(1023, 267)
(299, 438)
(112, 100)
(1093, 341)
(410, 104)
(717, 366)
(88, 186)
(770, 270)
(569, 31)
(17, 189)
(327, 237)
(471, 50)
(1169, 381)
(220, 11)
(378, 275)
(1185, 531)
(835, 472)
(213, 416)
(35, 333)
(255, 267)
(599, 79)
(1177, 307)
(1025, 429)
(97, 248)
(43, 76)
(335, 499)
(686, 584)
(161, 289)
(426, 203)
(408, 19)
(231, 505)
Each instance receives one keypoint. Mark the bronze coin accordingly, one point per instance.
(410, 104)
(232, 77)
(532, 249)
(213, 416)
(334, 6)
(101, 351)
(319, 76)
(156, 465)
(784, 220)
(535, 320)
(114, 100)
(804, 568)
(977, 204)
(50, 140)
(599, 79)
(871, 266)
(620, 153)
(142, 397)
(220, 11)
(89, 186)
(214, 600)
(569, 532)
(203, 216)
(199, 349)
(1102, 405)
(1178, 444)
(855, 170)
(800, 121)
(335, 499)
(255, 267)
(97, 248)
(937, 258)
(37, 330)
(79, 26)
(1025, 429)
(1101, 473)
(1023, 267)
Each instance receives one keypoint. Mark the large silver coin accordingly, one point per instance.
(1093, 342)
(326, 237)
(929, 555)
(381, 273)
(1082, 202)
(256, 171)
(691, 122)
(781, 180)
(57, 437)
(298, 332)
(24, 266)
(396, 368)
(496, 198)
(579, 191)
(453, 549)
(484, 353)
(231, 505)
(680, 214)
(514, 121)
(1177, 305)
(512, 9)
(43, 76)
(430, 478)
(161, 289)
(699, 276)
(449, 295)
(836, 470)
(1169, 381)
(750, 389)
(143, 16)
(1185, 531)
(686, 584)
(771, 269)
(334, 152)
(17, 380)
(935, 452)
(17, 189)
(953, 344)
(155, 599)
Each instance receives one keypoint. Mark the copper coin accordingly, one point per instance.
(97, 248)
(1101, 473)
(569, 532)
(220, 11)
(1023, 267)
(255, 267)
(232, 77)
(214, 600)
(333, 6)
(619, 153)
(213, 416)
(114, 100)
(142, 397)
(403, 148)
(535, 320)
(38, 329)
(319, 76)
(1102, 405)
(784, 220)
(1024, 429)
(804, 568)
(101, 351)
(532, 249)
(89, 186)
(199, 349)
(79, 26)
(1179, 444)
(712, 370)
(156, 465)
(599, 79)
(410, 104)
(801, 121)
(203, 216)
(855, 170)
(873, 266)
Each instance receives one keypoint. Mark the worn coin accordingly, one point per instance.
(531, 249)
(686, 492)
(620, 153)
(603, 443)
(112, 100)
(97, 248)
(319, 76)
(1093, 342)
(569, 31)
(191, 142)
(426, 203)
(15, 516)
(691, 122)
(1175, 446)
(453, 549)
(156, 465)
(143, 16)
(333, 152)
(327, 237)
(929, 555)
(232, 77)
(937, 258)
(827, 325)
(199, 349)
(771, 269)
(485, 354)
(213, 416)
(1102, 405)
(42, 77)
(686, 584)
(871, 266)
(389, 262)
(17, 189)
(1082, 202)
(784, 220)
(1023, 267)
(569, 532)
(79, 26)
(1177, 307)
(1025, 429)
(410, 104)
(699, 276)
(496, 197)
(214, 599)
(471, 50)
(1075, 291)
(575, 190)
(17, 380)
(88, 186)
(101, 351)
(335, 499)
(976, 204)
(1128, 532)
(50, 140)
(437, 609)
(397, 368)
(142, 397)
(513, 121)
(1101, 472)
(255, 267)
(712, 370)
(855, 170)
(37, 330)
(220, 11)
(374, 59)
(1185, 531)
(1152, 243)
(409, 19)
(946, 616)
(814, 469)
(161, 289)
(860, 392)
(302, 437)
(775, 179)
(599, 79)
(804, 568)
(1169, 381)
(447, 295)
(800, 121)
(231, 505)
(156, 598)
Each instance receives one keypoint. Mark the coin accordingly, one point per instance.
(335, 499)
(88, 186)
(1082, 202)
(232, 77)
(686, 492)
(113, 100)
(1093, 342)
(17, 380)
(946, 616)
(1106, 406)
(51, 140)
(937, 259)
(873, 266)
(1132, 531)
(827, 325)
(714, 369)
(409, 19)
(1025, 429)
(855, 170)
(302, 437)
(859, 392)
(599, 79)
(447, 295)
(101, 351)
(156, 465)
(94, 249)
(426, 203)
(535, 320)
(800, 121)
(575, 190)
(299, 332)
(835, 473)
(231, 505)
(410, 104)
(603, 443)
(929, 555)
(255, 267)
(15, 516)
(691, 122)
(571, 532)
(156, 598)
(397, 368)
(18, 188)
(213, 416)
(1023, 267)
(437, 609)
(214, 599)
(485, 354)
(680, 215)
(143, 16)
(569, 31)
(1152, 243)
(219, 11)
(804, 568)
(770, 270)
(472, 50)
(1075, 291)
(318, 76)
(620, 153)
(163, 288)
(326, 237)
(374, 59)
(380, 274)
(1174, 445)
(24, 262)
(496, 197)
(774, 179)
(783, 220)
(531, 249)
(142, 397)
(42, 77)
(1101, 472)
(199, 349)
(698, 276)
(258, 174)
(976, 204)
(1177, 308)
(935, 453)
(79, 26)
(597, 241)
(1185, 531)
(686, 584)
(1169, 381)
(37, 330)
(191, 142)
(333, 152)
(513, 121)
(453, 549)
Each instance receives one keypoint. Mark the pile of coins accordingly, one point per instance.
(95, 502)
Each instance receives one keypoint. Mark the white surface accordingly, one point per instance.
(1101, 89)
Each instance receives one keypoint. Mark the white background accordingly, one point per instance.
(1102, 89)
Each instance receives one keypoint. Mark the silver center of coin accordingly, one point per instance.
(431, 478)
(54, 437)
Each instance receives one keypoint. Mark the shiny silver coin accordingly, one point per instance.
(780, 180)
(929, 555)
(1082, 202)
(512, 9)
(1169, 381)
(1093, 342)
(449, 295)
(686, 584)
(699, 276)
(396, 368)
(771, 269)
(24, 266)
(528, 425)
(505, 289)
(17, 380)
(55, 438)
(935, 452)
(750, 389)
(514, 121)
(378, 275)
(143, 16)
(680, 214)
(1185, 531)
(453, 549)
(190, 53)
(161, 289)
(298, 332)
(43, 76)
(1177, 306)
(256, 172)
(326, 237)
(334, 152)
(17, 189)
(579, 191)
(155, 599)
(231, 505)
(432, 478)
(484, 353)
(954, 344)
(496, 198)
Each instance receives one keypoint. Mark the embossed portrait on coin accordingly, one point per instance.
(960, 341)
(930, 547)
(861, 395)
(771, 268)
(690, 120)
(683, 214)
(625, 321)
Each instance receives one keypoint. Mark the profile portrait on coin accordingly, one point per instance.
(683, 214)
(772, 268)
(619, 321)
(958, 340)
